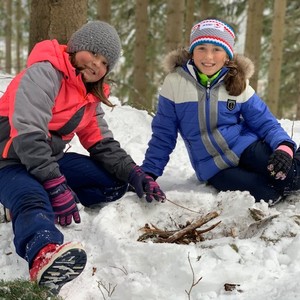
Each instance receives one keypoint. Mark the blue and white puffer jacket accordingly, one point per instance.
(215, 126)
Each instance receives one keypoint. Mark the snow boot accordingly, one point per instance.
(55, 265)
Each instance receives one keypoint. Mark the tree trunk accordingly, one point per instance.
(19, 37)
(276, 56)
(55, 19)
(298, 102)
(174, 27)
(8, 36)
(189, 20)
(204, 9)
(253, 35)
(104, 10)
(139, 93)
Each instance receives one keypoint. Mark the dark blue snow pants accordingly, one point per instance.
(252, 175)
(28, 202)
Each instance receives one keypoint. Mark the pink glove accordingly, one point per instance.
(63, 201)
(144, 184)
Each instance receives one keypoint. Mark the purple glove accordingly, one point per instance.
(280, 162)
(63, 201)
(144, 184)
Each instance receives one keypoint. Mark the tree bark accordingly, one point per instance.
(139, 92)
(104, 10)
(174, 27)
(276, 56)
(8, 36)
(253, 36)
(55, 19)
(189, 20)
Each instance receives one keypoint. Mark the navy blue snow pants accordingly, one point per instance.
(252, 175)
(28, 202)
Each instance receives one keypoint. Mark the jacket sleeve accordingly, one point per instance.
(34, 99)
(164, 133)
(113, 158)
(261, 121)
(98, 139)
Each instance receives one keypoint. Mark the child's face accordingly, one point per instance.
(209, 58)
(91, 65)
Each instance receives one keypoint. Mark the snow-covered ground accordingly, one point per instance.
(261, 258)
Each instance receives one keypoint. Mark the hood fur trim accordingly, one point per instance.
(180, 57)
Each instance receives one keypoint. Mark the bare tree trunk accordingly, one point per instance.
(298, 102)
(189, 20)
(139, 93)
(104, 10)
(55, 19)
(253, 35)
(174, 27)
(276, 55)
(204, 9)
(19, 37)
(8, 36)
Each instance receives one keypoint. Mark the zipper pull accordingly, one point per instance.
(207, 88)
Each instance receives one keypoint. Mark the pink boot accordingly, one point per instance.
(56, 265)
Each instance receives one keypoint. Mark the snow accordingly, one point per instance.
(261, 258)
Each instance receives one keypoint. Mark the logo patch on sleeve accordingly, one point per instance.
(231, 104)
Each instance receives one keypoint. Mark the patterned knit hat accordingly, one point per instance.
(212, 31)
(98, 37)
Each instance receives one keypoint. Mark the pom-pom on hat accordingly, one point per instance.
(212, 31)
(98, 37)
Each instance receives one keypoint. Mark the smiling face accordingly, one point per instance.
(91, 65)
(209, 58)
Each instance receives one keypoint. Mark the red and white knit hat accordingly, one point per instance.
(213, 31)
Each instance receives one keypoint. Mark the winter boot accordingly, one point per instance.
(5, 215)
(55, 265)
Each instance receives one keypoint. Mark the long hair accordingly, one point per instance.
(95, 88)
(235, 80)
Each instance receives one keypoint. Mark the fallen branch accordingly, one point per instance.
(184, 235)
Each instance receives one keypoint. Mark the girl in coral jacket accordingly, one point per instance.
(57, 96)
(232, 139)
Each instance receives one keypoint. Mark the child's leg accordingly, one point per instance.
(255, 158)
(91, 183)
(234, 179)
(31, 211)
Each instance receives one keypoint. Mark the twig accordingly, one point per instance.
(166, 199)
(177, 235)
(194, 283)
(197, 212)
(108, 289)
(184, 235)
(123, 269)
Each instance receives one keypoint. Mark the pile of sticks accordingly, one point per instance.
(190, 233)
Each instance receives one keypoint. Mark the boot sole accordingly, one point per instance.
(65, 266)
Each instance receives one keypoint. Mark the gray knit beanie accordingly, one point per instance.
(98, 37)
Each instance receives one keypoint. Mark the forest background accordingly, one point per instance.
(267, 32)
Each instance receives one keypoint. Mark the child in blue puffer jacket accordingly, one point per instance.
(233, 140)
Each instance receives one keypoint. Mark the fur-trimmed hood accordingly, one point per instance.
(180, 57)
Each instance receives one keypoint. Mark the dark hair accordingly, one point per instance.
(95, 88)
(235, 81)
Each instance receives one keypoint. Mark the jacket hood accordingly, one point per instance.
(52, 51)
(180, 57)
